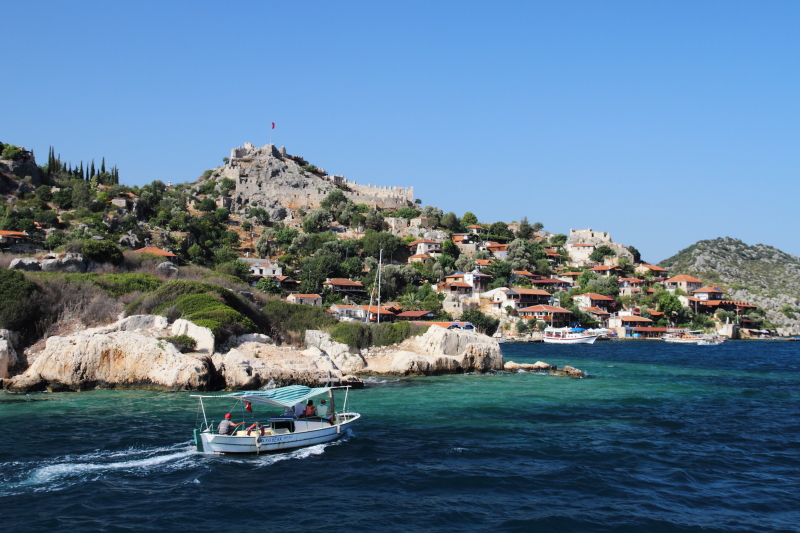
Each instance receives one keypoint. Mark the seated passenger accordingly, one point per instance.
(226, 427)
(299, 409)
(310, 411)
(322, 410)
(255, 426)
(288, 412)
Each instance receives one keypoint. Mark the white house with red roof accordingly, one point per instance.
(425, 247)
(553, 316)
(686, 283)
(476, 229)
(591, 299)
(519, 298)
(629, 286)
(644, 268)
(344, 285)
(606, 270)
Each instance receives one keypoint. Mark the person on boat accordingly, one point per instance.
(299, 410)
(288, 412)
(323, 412)
(226, 427)
(310, 411)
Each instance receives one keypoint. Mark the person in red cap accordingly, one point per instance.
(226, 427)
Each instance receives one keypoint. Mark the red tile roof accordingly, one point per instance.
(596, 311)
(594, 296)
(603, 268)
(581, 244)
(532, 292)
(653, 267)
(305, 296)
(683, 277)
(374, 310)
(13, 233)
(423, 241)
(634, 319)
(343, 281)
(545, 308)
(709, 290)
(155, 251)
(460, 284)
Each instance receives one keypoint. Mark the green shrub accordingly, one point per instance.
(359, 335)
(183, 343)
(101, 252)
(11, 152)
(289, 322)
(118, 284)
(18, 309)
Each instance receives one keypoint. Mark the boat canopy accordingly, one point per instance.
(282, 397)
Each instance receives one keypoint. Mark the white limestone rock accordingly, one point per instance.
(204, 337)
(120, 359)
(338, 352)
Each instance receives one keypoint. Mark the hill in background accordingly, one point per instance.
(759, 274)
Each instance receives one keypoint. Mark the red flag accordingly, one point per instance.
(247, 406)
(273, 125)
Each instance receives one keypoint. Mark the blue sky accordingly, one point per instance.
(661, 123)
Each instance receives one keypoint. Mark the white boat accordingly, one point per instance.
(568, 336)
(275, 433)
(682, 337)
(710, 340)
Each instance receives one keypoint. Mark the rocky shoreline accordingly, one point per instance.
(135, 353)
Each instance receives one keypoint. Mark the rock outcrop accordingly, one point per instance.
(8, 355)
(540, 366)
(204, 337)
(336, 351)
(122, 359)
(438, 351)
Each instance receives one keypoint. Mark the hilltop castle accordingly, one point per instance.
(268, 175)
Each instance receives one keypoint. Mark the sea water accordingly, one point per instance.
(662, 437)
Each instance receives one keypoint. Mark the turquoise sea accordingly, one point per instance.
(661, 438)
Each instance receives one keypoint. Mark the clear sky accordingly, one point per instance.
(662, 123)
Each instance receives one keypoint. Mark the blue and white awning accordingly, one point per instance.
(283, 397)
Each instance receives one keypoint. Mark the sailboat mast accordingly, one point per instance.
(380, 260)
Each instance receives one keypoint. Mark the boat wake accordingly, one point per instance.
(63, 472)
(302, 453)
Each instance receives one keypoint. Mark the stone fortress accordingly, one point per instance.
(269, 175)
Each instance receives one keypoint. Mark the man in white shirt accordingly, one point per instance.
(322, 410)
(299, 409)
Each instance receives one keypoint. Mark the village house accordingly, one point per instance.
(498, 251)
(551, 284)
(606, 270)
(623, 321)
(556, 317)
(579, 253)
(458, 288)
(286, 283)
(597, 314)
(479, 282)
(523, 274)
(591, 299)
(425, 247)
(483, 263)
(347, 312)
(684, 282)
(372, 312)
(418, 258)
(8, 238)
(519, 298)
(305, 299)
(344, 285)
(571, 277)
(629, 286)
(260, 268)
(420, 222)
(553, 256)
(644, 268)
(476, 229)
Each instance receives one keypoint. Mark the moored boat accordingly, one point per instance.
(568, 336)
(276, 433)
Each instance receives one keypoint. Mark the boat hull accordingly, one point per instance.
(240, 442)
(573, 340)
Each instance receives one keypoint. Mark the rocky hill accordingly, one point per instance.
(270, 177)
(760, 274)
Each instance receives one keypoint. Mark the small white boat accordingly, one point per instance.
(498, 337)
(568, 336)
(276, 433)
(710, 340)
(682, 337)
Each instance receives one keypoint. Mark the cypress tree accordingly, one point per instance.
(91, 173)
(81, 171)
(103, 166)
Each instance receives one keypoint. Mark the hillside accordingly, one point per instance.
(760, 274)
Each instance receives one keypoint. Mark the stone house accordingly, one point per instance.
(305, 299)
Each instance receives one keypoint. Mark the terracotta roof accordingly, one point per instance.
(374, 310)
(709, 290)
(548, 281)
(546, 308)
(414, 314)
(343, 281)
(602, 268)
(155, 251)
(632, 280)
(655, 313)
(523, 273)
(475, 226)
(571, 274)
(652, 329)
(483, 262)
(551, 252)
(653, 267)
(13, 234)
(684, 277)
(305, 296)
(634, 319)
(596, 310)
(423, 241)
(456, 275)
(420, 256)
(738, 304)
(532, 292)
(581, 244)
(345, 306)
(594, 296)
(460, 284)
